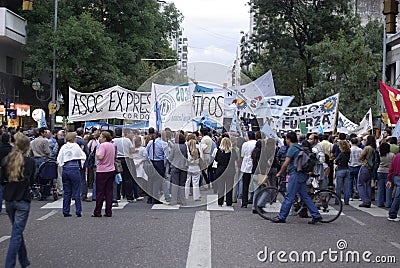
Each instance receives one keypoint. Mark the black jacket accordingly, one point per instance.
(18, 191)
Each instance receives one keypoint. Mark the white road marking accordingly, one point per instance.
(356, 221)
(47, 215)
(212, 204)
(4, 238)
(121, 205)
(199, 254)
(56, 204)
(164, 206)
(397, 245)
(373, 210)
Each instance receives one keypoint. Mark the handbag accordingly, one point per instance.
(118, 166)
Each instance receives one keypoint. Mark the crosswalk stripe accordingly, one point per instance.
(373, 210)
(56, 204)
(199, 254)
(47, 215)
(397, 245)
(59, 204)
(165, 206)
(356, 221)
(212, 204)
(4, 238)
(121, 205)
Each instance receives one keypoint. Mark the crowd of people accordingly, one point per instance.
(169, 167)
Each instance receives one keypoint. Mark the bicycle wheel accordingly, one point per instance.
(268, 202)
(329, 205)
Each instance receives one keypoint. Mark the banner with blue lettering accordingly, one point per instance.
(115, 102)
(174, 105)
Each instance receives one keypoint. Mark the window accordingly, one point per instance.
(9, 65)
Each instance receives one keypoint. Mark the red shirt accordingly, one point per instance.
(394, 169)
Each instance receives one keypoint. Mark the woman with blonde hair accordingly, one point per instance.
(342, 171)
(71, 158)
(225, 173)
(193, 173)
(17, 175)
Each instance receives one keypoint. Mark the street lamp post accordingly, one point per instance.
(53, 87)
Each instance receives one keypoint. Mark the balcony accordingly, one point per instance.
(12, 26)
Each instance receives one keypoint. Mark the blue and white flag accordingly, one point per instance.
(273, 106)
(269, 133)
(235, 125)
(42, 122)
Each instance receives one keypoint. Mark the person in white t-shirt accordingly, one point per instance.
(247, 165)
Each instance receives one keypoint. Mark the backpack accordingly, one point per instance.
(305, 161)
(374, 161)
(91, 158)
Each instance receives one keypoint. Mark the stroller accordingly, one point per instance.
(45, 182)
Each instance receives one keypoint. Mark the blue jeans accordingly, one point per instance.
(389, 192)
(293, 187)
(382, 179)
(364, 184)
(84, 187)
(71, 177)
(353, 175)
(342, 183)
(18, 212)
(394, 209)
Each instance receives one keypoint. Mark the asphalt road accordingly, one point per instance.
(139, 236)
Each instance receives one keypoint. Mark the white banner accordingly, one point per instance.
(345, 125)
(313, 115)
(209, 104)
(175, 104)
(365, 124)
(115, 102)
(273, 106)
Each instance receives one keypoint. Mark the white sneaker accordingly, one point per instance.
(351, 199)
(140, 198)
(393, 219)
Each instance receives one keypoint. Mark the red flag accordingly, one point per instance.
(391, 98)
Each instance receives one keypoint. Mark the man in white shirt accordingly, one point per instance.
(205, 146)
(354, 166)
(247, 165)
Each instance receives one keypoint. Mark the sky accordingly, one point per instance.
(213, 28)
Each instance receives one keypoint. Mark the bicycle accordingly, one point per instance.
(328, 203)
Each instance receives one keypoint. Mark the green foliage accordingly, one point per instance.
(99, 43)
(348, 66)
(284, 29)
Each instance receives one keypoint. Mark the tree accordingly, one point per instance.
(283, 31)
(348, 66)
(99, 43)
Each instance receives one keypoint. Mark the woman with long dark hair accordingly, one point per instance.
(17, 175)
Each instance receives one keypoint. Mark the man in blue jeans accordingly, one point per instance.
(296, 184)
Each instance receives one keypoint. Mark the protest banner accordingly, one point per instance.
(115, 102)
